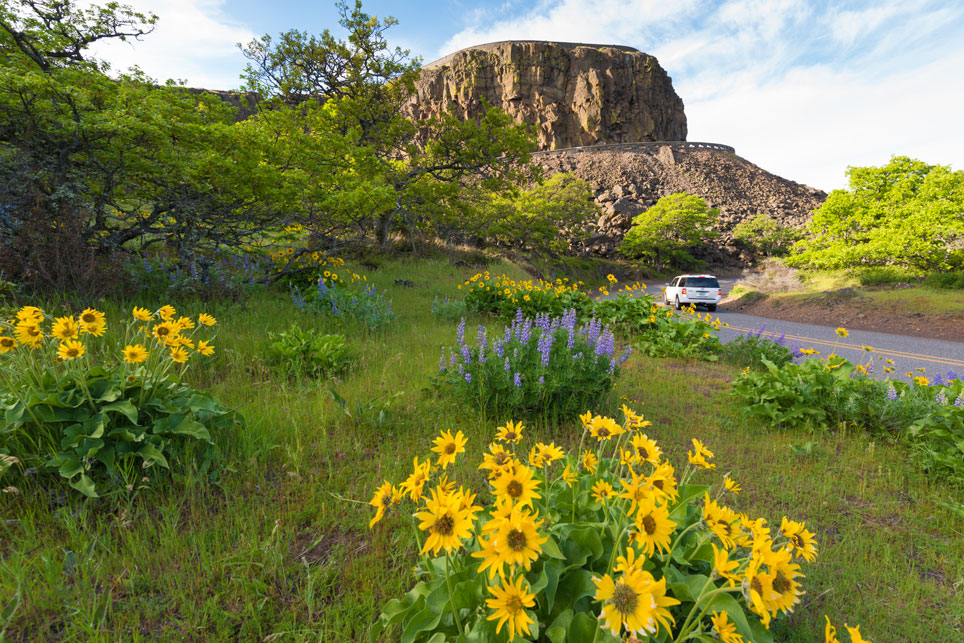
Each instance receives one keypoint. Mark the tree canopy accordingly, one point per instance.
(666, 234)
(906, 213)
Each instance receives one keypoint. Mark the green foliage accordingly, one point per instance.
(906, 213)
(885, 275)
(765, 236)
(749, 351)
(945, 280)
(367, 306)
(835, 392)
(308, 352)
(545, 218)
(103, 426)
(534, 369)
(665, 234)
(449, 309)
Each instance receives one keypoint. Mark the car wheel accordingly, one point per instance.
(711, 308)
(679, 306)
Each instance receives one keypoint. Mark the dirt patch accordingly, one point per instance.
(848, 308)
(316, 547)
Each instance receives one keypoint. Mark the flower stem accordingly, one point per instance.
(448, 583)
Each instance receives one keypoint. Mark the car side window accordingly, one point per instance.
(682, 282)
(675, 282)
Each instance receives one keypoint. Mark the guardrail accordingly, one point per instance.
(644, 146)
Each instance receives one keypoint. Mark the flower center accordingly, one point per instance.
(501, 457)
(781, 584)
(163, 331)
(89, 318)
(450, 448)
(797, 540)
(642, 453)
(510, 436)
(658, 484)
(386, 499)
(72, 352)
(33, 331)
(513, 605)
(514, 488)
(603, 432)
(756, 586)
(6, 342)
(444, 525)
(649, 524)
(516, 540)
(624, 599)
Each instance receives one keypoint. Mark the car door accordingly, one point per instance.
(672, 290)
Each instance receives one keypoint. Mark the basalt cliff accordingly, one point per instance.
(572, 94)
(609, 114)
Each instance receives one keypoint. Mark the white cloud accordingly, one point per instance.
(803, 92)
(194, 40)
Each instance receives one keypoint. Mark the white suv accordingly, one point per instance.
(700, 290)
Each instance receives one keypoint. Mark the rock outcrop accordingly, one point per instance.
(629, 179)
(573, 94)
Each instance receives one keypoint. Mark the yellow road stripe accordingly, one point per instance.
(877, 351)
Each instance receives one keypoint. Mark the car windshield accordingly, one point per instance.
(702, 282)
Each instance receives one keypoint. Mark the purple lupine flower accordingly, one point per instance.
(951, 376)
(498, 349)
(940, 398)
(517, 379)
(481, 340)
(612, 366)
(960, 400)
(870, 368)
(545, 346)
(525, 332)
(460, 333)
(466, 353)
(779, 340)
(461, 369)
(468, 377)
(507, 367)
(938, 381)
(593, 330)
(542, 379)
(625, 355)
(451, 357)
(891, 393)
(606, 343)
(296, 298)
(441, 363)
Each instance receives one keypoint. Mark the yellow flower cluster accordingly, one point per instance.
(314, 259)
(514, 291)
(633, 486)
(27, 330)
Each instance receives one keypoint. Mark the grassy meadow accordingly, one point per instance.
(279, 548)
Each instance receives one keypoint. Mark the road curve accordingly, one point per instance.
(908, 354)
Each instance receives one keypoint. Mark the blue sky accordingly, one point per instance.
(802, 89)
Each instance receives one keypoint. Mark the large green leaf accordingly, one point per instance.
(124, 407)
(190, 426)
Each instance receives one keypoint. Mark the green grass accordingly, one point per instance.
(280, 548)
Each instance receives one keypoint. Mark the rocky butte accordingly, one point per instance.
(609, 114)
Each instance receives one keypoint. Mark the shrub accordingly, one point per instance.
(945, 280)
(99, 413)
(592, 546)
(884, 275)
(661, 332)
(534, 366)
(772, 277)
(503, 296)
(367, 306)
(225, 275)
(665, 235)
(449, 309)
(750, 349)
(308, 352)
(832, 391)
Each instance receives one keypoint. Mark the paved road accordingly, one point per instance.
(908, 353)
